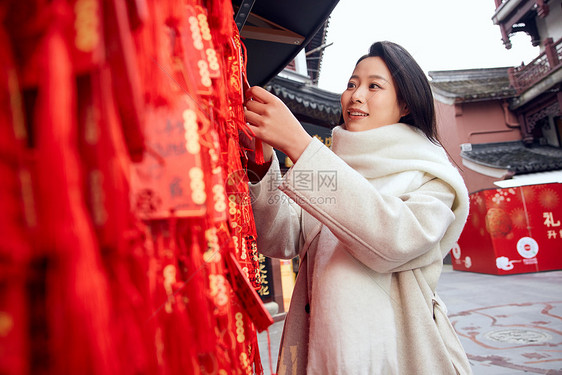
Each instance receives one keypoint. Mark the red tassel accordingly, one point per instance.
(196, 278)
(76, 288)
(259, 152)
(121, 57)
(221, 16)
(176, 344)
(106, 165)
(258, 147)
(15, 246)
(138, 13)
(269, 353)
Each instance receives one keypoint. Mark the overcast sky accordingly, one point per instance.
(440, 34)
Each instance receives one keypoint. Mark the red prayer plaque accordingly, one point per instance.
(171, 178)
(246, 293)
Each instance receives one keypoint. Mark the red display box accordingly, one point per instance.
(512, 230)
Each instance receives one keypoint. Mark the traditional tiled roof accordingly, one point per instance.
(266, 58)
(314, 59)
(312, 104)
(471, 85)
(515, 156)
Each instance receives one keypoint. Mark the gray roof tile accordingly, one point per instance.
(472, 84)
(516, 157)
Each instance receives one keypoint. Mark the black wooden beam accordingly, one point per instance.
(243, 13)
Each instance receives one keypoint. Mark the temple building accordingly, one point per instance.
(503, 127)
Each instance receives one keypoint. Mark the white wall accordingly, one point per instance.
(551, 26)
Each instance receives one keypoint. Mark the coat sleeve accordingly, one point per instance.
(277, 217)
(384, 232)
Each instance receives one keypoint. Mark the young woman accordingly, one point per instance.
(371, 219)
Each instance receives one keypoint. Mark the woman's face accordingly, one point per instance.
(370, 100)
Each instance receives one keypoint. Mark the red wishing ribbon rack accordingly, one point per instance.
(128, 240)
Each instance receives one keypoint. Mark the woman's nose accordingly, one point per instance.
(356, 99)
(357, 96)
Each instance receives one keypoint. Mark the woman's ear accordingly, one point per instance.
(404, 110)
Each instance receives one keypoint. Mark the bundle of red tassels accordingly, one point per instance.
(128, 244)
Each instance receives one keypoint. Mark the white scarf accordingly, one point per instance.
(400, 148)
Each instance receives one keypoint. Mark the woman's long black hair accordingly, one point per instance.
(412, 86)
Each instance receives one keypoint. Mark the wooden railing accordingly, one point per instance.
(525, 76)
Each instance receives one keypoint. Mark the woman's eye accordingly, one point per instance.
(374, 86)
(350, 85)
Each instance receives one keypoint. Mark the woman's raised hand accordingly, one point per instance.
(272, 122)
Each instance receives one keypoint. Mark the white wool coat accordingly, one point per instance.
(371, 220)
